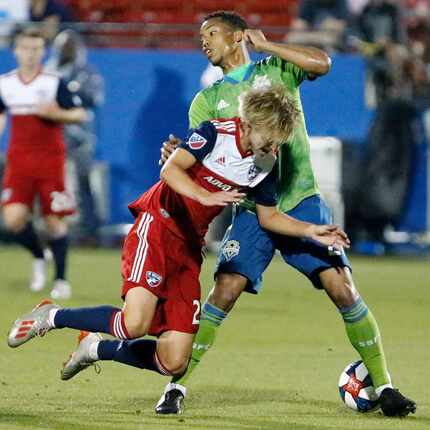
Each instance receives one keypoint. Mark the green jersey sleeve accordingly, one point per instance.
(199, 110)
(291, 74)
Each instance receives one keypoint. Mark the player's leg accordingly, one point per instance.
(140, 251)
(332, 273)
(58, 241)
(363, 333)
(131, 322)
(245, 253)
(17, 200)
(56, 204)
(168, 355)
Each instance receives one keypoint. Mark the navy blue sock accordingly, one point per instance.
(59, 250)
(29, 240)
(139, 353)
(96, 319)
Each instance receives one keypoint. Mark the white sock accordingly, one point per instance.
(51, 317)
(381, 388)
(92, 351)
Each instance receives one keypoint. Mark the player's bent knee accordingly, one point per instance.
(176, 365)
(339, 286)
(228, 288)
(15, 225)
(57, 227)
(136, 327)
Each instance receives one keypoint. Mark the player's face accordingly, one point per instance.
(218, 41)
(29, 51)
(262, 143)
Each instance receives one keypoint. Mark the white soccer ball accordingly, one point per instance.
(356, 388)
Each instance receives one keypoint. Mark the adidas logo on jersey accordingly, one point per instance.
(217, 183)
(221, 161)
(222, 104)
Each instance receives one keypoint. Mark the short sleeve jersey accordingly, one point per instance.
(221, 165)
(296, 180)
(32, 138)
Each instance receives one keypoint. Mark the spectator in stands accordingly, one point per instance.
(50, 13)
(321, 23)
(11, 12)
(69, 59)
(380, 22)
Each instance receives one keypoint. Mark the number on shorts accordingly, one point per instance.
(196, 313)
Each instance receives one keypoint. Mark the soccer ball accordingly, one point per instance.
(356, 388)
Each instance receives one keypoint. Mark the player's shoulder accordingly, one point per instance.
(11, 74)
(50, 74)
(225, 125)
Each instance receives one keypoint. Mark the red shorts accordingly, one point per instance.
(165, 264)
(19, 187)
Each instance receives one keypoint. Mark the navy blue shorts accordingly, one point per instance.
(247, 249)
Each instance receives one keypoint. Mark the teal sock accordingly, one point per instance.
(363, 333)
(210, 319)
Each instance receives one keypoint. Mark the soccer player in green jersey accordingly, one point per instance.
(247, 248)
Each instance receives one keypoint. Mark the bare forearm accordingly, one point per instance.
(312, 60)
(280, 223)
(177, 179)
(71, 116)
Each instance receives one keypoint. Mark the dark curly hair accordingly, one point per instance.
(233, 19)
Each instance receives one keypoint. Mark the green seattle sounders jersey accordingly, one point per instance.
(221, 100)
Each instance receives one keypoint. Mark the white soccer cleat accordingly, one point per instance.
(81, 358)
(35, 323)
(61, 290)
(38, 275)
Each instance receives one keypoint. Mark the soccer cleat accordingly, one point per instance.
(38, 275)
(80, 359)
(35, 323)
(172, 400)
(394, 404)
(61, 290)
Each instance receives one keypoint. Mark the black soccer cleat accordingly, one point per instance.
(394, 404)
(173, 403)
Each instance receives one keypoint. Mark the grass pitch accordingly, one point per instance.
(275, 364)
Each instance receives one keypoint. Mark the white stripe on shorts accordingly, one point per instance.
(142, 248)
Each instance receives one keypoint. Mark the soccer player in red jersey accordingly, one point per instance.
(218, 162)
(38, 104)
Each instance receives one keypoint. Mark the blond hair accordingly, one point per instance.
(270, 111)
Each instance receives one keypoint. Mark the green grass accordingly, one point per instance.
(275, 364)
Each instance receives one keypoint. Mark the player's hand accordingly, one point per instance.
(329, 235)
(256, 39)
(221, 198)
(168, 147)
(50, 111)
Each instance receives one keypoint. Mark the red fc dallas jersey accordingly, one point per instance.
(221, 165)
(34, 141)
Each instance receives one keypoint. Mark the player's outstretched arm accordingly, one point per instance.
(174, 173)
(314, 61)
(330, 235)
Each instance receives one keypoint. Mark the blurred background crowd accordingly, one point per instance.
(136, 66)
